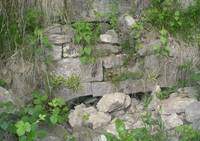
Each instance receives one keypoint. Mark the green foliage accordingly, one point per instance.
(72, 82)
(187, 133)
(164, 49)
(131, 45)
(124, 134)
(138, 134)
(169, 15)
(165, 93)
(16, 25)
(2, 83)
(85, 33)
(25, 123)
(86, 56)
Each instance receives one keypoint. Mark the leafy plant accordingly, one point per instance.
(169, 15)
(72, 82)
(164, 49)
(2, 83)
(25, 123)
(187, 133)
(86, 56)
(165, 93)
(123, 133)
(85, 33)
(138, 134)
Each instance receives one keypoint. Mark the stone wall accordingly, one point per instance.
(148, 68)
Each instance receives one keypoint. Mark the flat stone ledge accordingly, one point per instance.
(87, 73)
(68, 94)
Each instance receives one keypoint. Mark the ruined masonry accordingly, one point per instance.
(149, 68)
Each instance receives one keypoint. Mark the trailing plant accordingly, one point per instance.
(25, 123)
(187, 133)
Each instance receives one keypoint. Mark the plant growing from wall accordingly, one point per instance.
(169, 14)
(72, 82)
(164, 49)
(86, 34)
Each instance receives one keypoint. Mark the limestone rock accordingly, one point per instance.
(102, 88)
(99, 119)
(176, 104)
(188, 91)
(56, 53)
(151, 64)
(109, 37)
(59, 35)
(113, 102)
(171, 121)
(87, 73)
(192, 112)
(129, 20)
(107, 49)
(154, 105)
(5, 95)
(70, 50)
(78, 116)
(148, 50)
(113, 61)
(68, 94)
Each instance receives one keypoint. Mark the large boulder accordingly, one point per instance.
(114, 102)
(171, 121)
(88, 116)
(192, 112)
(176, 104)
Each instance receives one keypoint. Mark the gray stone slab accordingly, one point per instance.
(70, 50)
(102, 88)
(113, 61)
(135, 86)
(68, 94)
(87, 73)
(59, 39)
(56, 53)
(106, 49)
